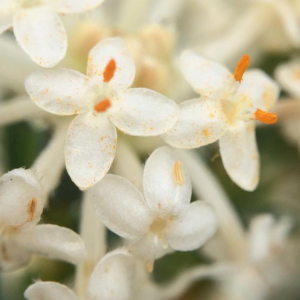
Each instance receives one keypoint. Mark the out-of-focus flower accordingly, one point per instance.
(21, 202)
(37, 27)
(161, 220)
(229, 104)
(112, 278)
(103, 101)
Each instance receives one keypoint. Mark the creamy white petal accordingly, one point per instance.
(167, 186)
(260, 88)
(54, 242)
(7, 11)
(49, 291)
(73, 6)
(41, 34)
(201, 122)
(90, 149)
(192, 228)
(60, 91)
(121, 206)
(100, 56)
(205, 76)
(21, 198)
(144, 112)
(113, 278)
(240, 155)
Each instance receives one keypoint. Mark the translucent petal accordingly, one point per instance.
(206, 77)
(113, 278)
(7, 11)
(73, 6)
(49, 291)
(240, 155)
(21, 199)
(12, 256)
(144, 112)
(90, 149)
(167, 186)
(192, 228)
(41, 34)
(201, 122)
(100, 56)
(121, 206)
(260, 88)
(54, 242)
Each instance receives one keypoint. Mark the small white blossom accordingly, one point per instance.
(103, 102)
(161, 220)
(226, 110)
(37, 27)
(21, 206)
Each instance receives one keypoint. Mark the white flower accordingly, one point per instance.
(112, 278)
(226, 109)
(164, 217)
(103, 101)
(37, 27)
(21, 206)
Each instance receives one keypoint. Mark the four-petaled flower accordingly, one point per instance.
(37, 27)
(226, 110)
(161, 220)
(103, 102)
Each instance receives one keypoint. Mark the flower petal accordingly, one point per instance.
(7, 11)
(144, 112)
(167, 186)
(112, 278)
(112, 49)
(121, 206)
(73, 6)
(240, 155)
(90, 149)
(54, 242)
(260, 88)
(49, 291)
(206, 77)
(21, 199)
(192, 228)
(61, 92)
(41, 34)
(201, 122)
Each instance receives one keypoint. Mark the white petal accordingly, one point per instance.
(201, 122)
(144, 112)
(206, 77)
(193, 228)
(240, 155)
(260, 88)
(54, 242)
(61, 92)
(90, 149)
(121, 206)
(49, 291)
(105, 51)
(41, 34)
(288, 76)
(167, 186)
(21, 198)
(7, 11)
(12, 256)
(73, 6)
(113, 278)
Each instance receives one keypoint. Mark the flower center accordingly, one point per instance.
(102, 106)
(158, 226)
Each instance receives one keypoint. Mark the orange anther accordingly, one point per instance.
(265, 117)
(241, 67)
(109, 71)
(102, 106)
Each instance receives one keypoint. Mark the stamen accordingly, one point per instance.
(177, 173)
(102, 106)
(241, 67)
(109, 71)
(265, 117)
(149, 266)
(31, 209)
